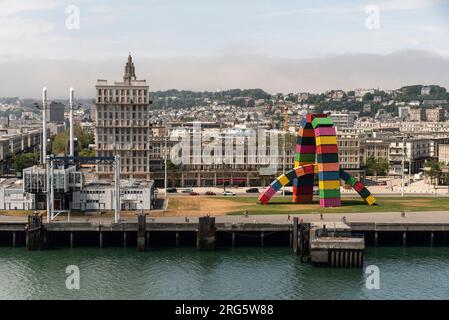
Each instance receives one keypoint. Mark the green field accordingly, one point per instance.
(281, 205)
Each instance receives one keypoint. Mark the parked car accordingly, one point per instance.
(252, 190)
(187, 190)
(172, 190)
(210, 193)
(288, 192)
(228, 193)
(194, 193)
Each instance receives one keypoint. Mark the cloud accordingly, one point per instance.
(10, 8)
(26, 79)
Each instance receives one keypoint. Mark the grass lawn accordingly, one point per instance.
(281, 205)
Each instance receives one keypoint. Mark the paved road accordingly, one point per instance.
(378, 217)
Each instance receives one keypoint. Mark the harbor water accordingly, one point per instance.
(240, 273)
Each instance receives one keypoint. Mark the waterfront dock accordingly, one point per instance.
(378, 229)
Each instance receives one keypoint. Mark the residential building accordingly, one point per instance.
(435, 115)
(122, 124)
(443, 153)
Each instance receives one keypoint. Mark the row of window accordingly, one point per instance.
(127, 92)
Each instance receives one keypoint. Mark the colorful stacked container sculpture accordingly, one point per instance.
(317, 153)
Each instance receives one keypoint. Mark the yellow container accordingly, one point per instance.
(315, 168)
(370, 200)
(326, 140)
(283, 180)
(329, 184)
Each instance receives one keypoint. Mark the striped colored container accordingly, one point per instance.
(325, 140)
(309, 169)
(325, 131)
(305, 149)
(321, 149)
(302, 198)
(358, 186)
(328, 166)
(270, 192)
(327, 158)
(330, 202)
(329, 175)
(304, 189)
(332, 193)
(283, 180)
(325, 122)
(291, 175)
(364, 193)
(370, 200)
(300, 171)
(264, 198)
(305, 157)
(307, 141)
(329, 184)
(351, 181)
(344, 175)
(276, 185)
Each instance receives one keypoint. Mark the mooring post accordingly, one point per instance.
(124, 239)
(404, 239)
(262, 234)
(14, 239)
(375, 238)
(291, 239)
(71, 239)
(206, 235)
(233, 239)
(177, 239)
(147, 244)
(100, 238)
(295, 235)
(35, 233)
(142, 233)
(431, 239)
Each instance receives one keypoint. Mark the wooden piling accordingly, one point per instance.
(295, 235)
(35, 233)
(71, 240)
(206, 235)
(142, 235)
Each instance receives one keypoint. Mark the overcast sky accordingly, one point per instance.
(277, 45)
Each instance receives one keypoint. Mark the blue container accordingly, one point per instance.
(329, 175)
(344, 175)
(291, 175)
(364, 193)
(276, 185)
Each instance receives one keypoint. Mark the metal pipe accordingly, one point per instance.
(44, 125)
(52, 189)
(117, 189)
(72, 142)
(47, 167)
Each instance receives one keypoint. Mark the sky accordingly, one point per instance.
(277, 45)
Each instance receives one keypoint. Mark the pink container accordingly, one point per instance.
(270, 192)
(305, 149)
(325, 131)
(330, 202)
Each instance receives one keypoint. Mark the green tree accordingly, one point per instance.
(376, 167)
(24, 160)
(433, 170)
(61, 141)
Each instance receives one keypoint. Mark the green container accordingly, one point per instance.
(305, 157)
(330, 193)
(322, 122)
(351, 181)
